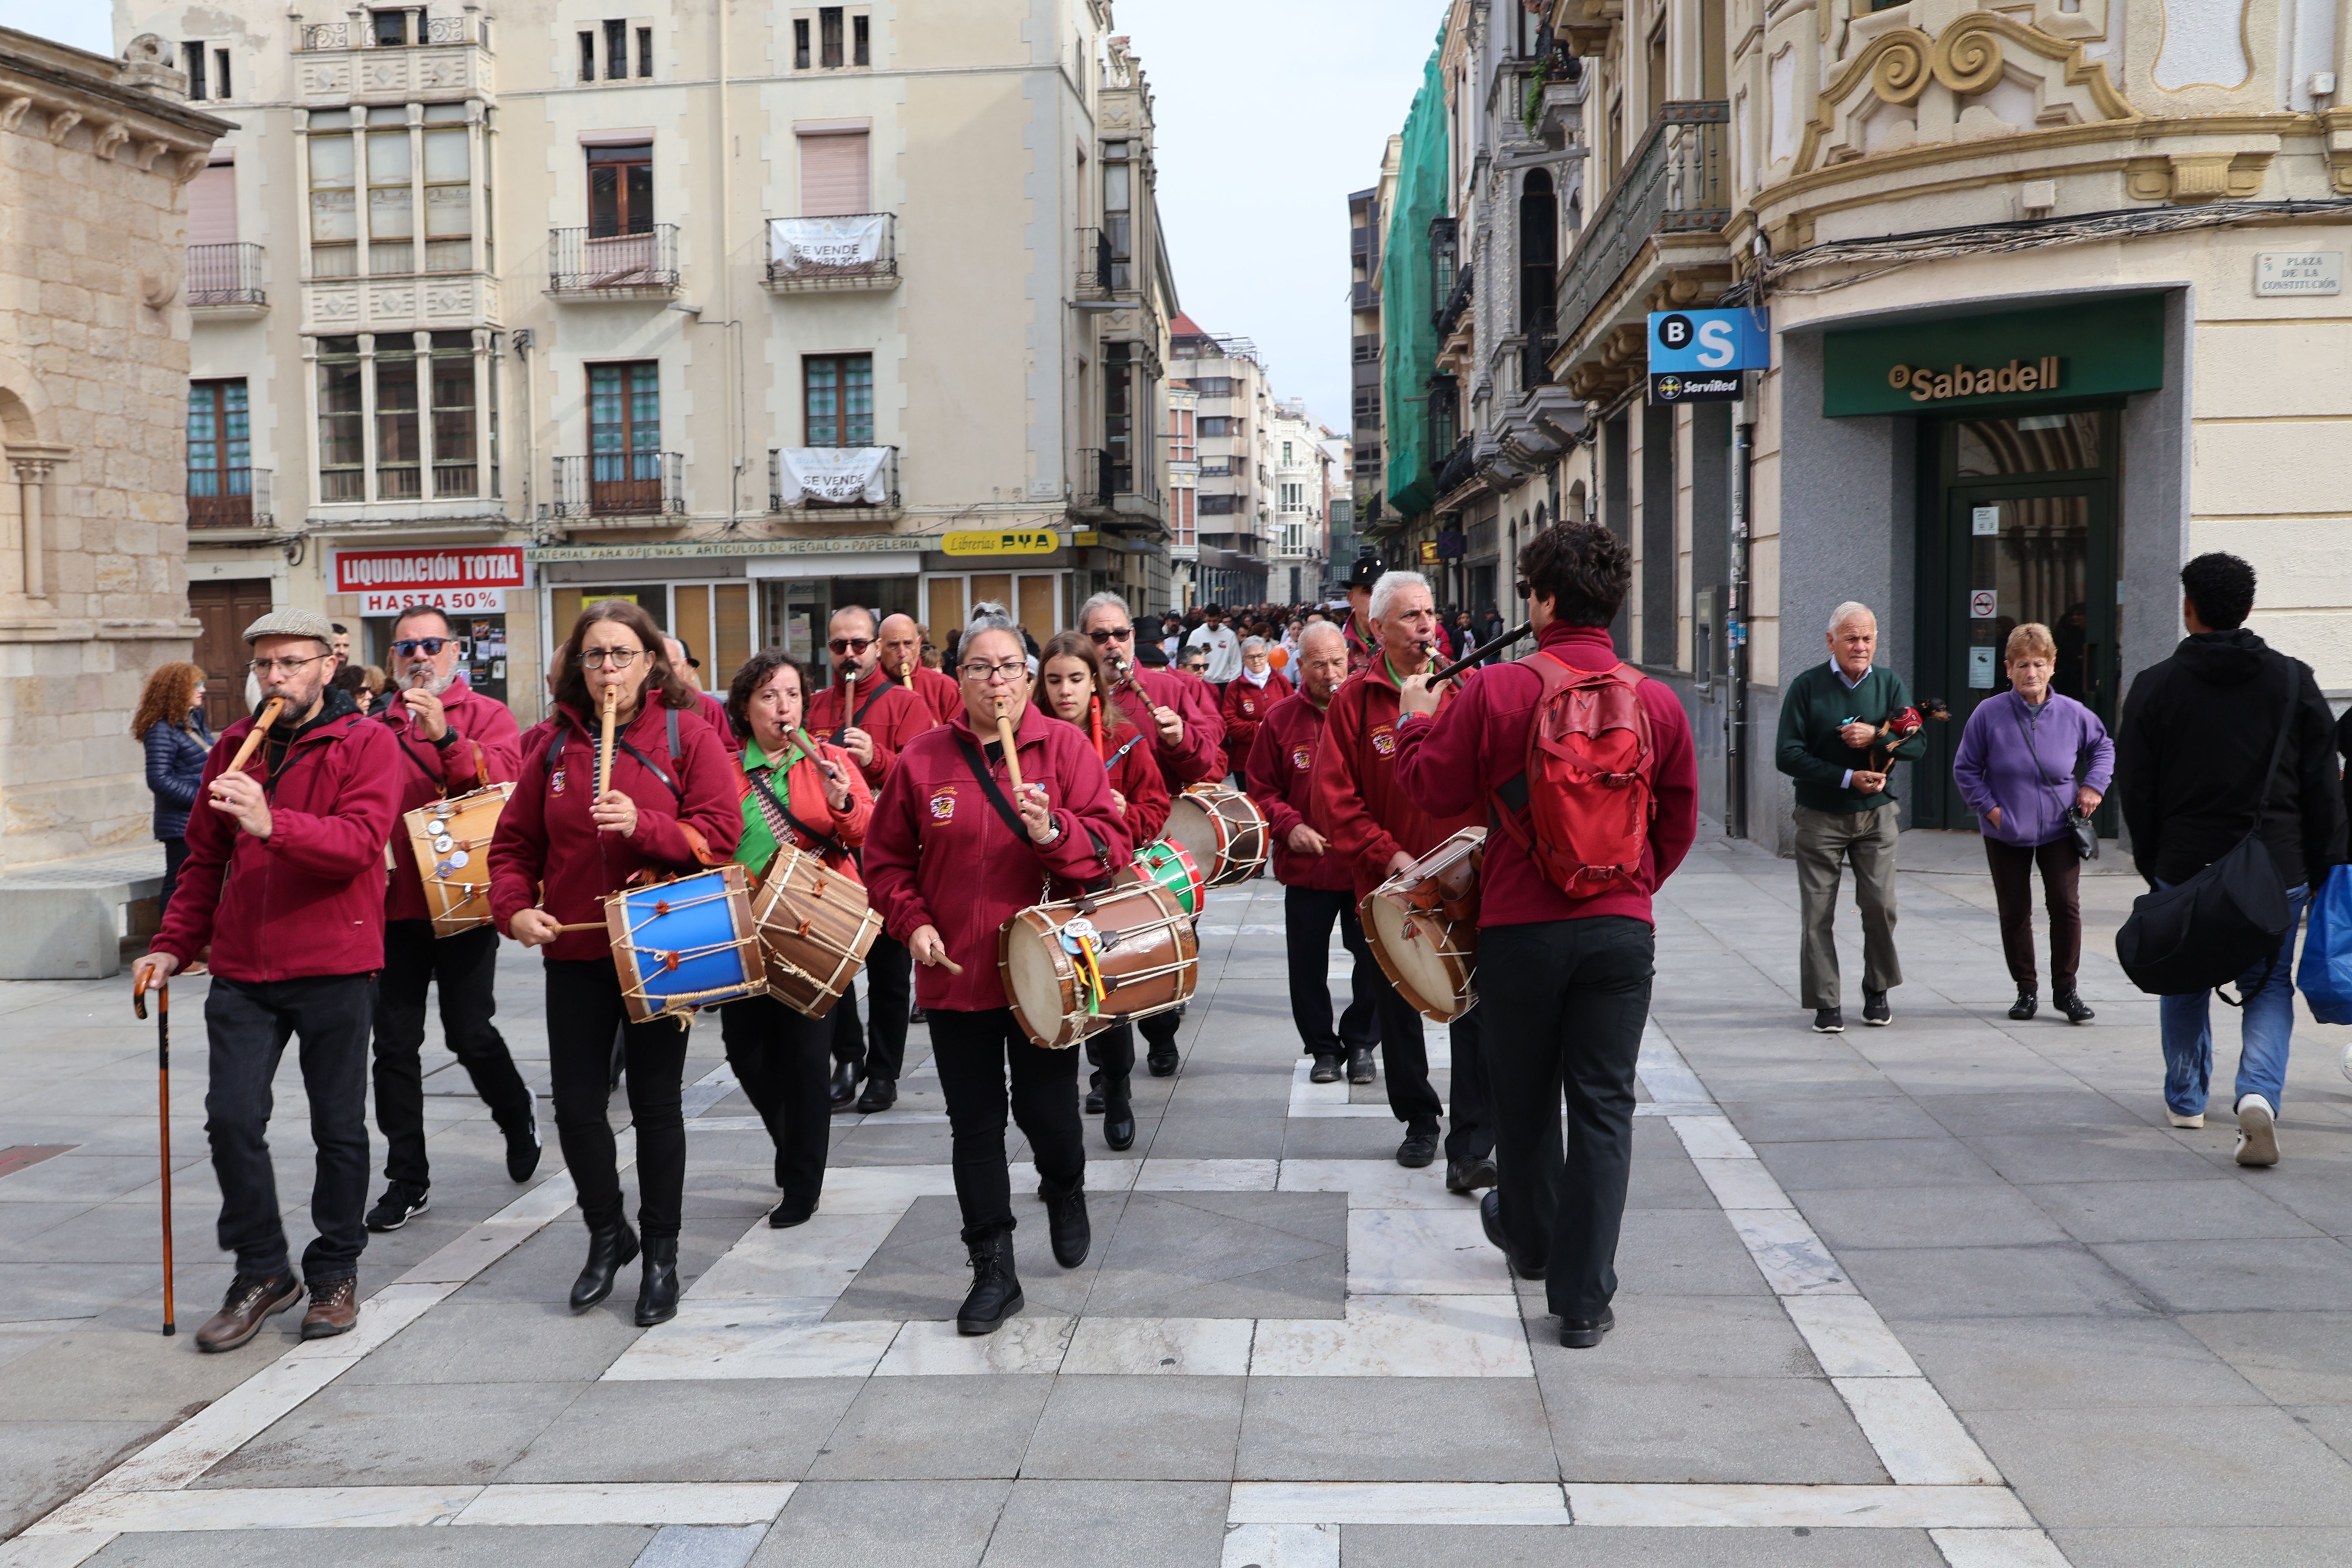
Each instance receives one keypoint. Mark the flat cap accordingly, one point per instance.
(286, 621)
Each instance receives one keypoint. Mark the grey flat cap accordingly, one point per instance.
(286, 621)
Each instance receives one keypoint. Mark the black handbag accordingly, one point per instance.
(2202, 934)
(2079, 827)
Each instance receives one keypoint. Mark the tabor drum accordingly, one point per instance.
(1169, 866)
(452, 840)
(1223, 830)
(815, 928)
(1422, 924)
(1076, 968)
(684, 943)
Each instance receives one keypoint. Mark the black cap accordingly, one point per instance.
(1366, 571)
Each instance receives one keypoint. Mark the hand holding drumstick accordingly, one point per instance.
(929, 948)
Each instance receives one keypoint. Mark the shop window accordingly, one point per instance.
(837, 398)
(343, 444)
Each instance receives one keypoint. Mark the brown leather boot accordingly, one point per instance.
(251, 1301)
(334, 1309)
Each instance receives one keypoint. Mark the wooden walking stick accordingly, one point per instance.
(604, 757)
(164, 1105)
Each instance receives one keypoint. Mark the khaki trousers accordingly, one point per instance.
(1825, 840)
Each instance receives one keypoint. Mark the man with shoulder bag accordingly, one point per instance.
(2227, 775)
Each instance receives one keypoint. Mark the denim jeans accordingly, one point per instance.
(2267, 1024)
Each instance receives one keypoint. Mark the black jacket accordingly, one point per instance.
(2197, 729)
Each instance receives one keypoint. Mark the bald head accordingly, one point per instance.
(1322, 661)
(902, 644)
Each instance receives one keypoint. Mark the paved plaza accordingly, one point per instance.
(1946, 1292)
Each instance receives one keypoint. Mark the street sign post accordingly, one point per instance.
(1696, 356)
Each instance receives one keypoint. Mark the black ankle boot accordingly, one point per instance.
(1065, 1219)
(657, 1297)
(609, 1247)
(2023, 1008)
(2077, 1011)
(1118, 1113)
(995, 1289)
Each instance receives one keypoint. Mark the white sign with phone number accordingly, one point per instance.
(489, 601)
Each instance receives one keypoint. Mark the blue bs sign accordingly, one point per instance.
(1696, 356)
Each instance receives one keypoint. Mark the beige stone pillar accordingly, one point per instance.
(33, 466)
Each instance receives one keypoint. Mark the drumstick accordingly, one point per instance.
(605, 758)
(586, 925)
(266, 718)
(1012, 752)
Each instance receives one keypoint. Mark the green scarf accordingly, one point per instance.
(759, 844)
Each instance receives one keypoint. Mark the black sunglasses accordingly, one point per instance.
(429, 646)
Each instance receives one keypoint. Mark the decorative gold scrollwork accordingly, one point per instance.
(1898, 63)
(1968, 56)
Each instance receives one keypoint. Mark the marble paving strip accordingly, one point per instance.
(1028, 1344)
(1399, 1336)
(1397, 1502)
(638, 1502)
(1794, 1507)
(1281, 1546)
(1173, 1347)
(390, 1508)
(1995, 1549)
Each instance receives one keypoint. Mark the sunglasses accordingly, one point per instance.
(1102, 635)
(850, 645)
(408, 647)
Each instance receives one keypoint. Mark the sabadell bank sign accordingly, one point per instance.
(2098, 348)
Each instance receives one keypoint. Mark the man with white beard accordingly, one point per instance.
(452, 739)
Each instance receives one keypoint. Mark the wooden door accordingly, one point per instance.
(225, 610)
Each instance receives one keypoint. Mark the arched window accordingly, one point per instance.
(1540, 516)
(1539, 254)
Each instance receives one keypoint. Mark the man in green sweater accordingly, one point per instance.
(1831, 744)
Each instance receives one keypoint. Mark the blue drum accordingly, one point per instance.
(686, 944)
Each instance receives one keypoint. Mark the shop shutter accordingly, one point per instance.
(832, 174)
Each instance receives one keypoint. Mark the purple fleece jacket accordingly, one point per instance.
(1995, 766)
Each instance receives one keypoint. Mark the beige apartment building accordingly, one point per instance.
(95, 157)
(1222, 381)
(745, 312)
(2056, 296)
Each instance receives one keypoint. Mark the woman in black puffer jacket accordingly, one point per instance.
(170, 725)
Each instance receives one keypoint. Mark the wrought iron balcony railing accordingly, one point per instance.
(229, 498)
(620, 484)
(859, 250)
(1674, 182)
(583, 265)
(221, 275)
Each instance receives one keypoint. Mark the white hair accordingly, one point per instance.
(1104, 602)
(990, 619)
(1846, 612)
(1319, 631)
(1249, 644)
(1384, 592)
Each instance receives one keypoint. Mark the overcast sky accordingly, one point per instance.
(1270, 112)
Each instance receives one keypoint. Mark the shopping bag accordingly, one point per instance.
(2326, 978)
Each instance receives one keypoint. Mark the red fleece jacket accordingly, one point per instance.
(1358, 803)
(1281, 774)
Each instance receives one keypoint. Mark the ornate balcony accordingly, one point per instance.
(229, 497)
(582, 265)
(810, 255)
(611, 486)
(1676, 183)
(225, 281)
(391, 56)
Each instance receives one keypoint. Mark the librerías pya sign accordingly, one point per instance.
(1927, 384)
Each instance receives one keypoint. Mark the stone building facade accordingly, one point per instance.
(94, 158)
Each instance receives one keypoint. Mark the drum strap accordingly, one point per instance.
(979, 767)
(825, 842)
(555, 750)
(1112, 761)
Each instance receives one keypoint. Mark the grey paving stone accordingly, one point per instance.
(1225, 1255)
(1084, 1524)
(1874, 1164)
(544, 1546)
(1683, 1252)
(2295, 1358)
(1394, 1428)
(433, 1434)
(49, 1461)
(1566, 1546)
(1613, 1423)
(934, 1428)
(1341, 1137)
(2167, 1466)
(2070, 1362)
(2195, 1547)
(2280, 1275)
(1216, 1136)
(2195, 1210)
(463, 1341)
(2112, 1154)
(1705, 1336)
(922, 1269)
(748, 1430)
(1991, 1282)
(1844, 1117)
(1138, 1429)
(1995, 1215)
(2010, 1112)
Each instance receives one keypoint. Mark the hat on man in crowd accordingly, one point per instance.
(1365, 572)
(287, 621)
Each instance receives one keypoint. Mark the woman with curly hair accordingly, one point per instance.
(170, 723)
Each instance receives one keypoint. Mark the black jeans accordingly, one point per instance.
(247, 1026)
(2013, 889)
(973, 1052)
(778, 1056)
(879, 1047)
(175, 855)
(1405, 1063)
(1112, 1052)
(1159, 1032)
(1306, 917)
(467, 967)
(1567, 999)
(583, 1007)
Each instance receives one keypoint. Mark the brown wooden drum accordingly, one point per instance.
(452, 841)
(1222, 829)
(1422, 924)
(1074, 969)
(815, 928)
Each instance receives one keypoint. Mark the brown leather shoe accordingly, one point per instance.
(251, 1301)
(334, 1309)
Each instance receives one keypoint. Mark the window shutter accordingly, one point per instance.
(833, 175)
(211, 207)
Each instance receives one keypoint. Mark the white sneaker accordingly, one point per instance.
(2257, 1132)
(2191, 1122)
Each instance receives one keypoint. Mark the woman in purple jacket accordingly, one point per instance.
(2026, 757)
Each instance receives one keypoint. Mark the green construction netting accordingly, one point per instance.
(1408, 302)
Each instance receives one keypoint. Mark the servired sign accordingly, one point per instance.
(460, 577)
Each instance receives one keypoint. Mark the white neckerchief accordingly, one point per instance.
(1258, 676)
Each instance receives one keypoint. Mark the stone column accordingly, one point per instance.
(33, 466)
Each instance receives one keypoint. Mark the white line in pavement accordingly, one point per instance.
(391, 1508)
(1628, 1506)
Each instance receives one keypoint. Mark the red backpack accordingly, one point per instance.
(1586, 788)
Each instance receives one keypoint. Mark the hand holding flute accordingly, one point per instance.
(237, 793)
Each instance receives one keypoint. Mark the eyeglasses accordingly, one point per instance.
(430, 647)
(1521, 588)
(612, 657)
(285, 666)
(1111, 633)
(850, 645)
(1011, 669)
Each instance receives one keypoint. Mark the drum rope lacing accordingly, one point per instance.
(671, 960)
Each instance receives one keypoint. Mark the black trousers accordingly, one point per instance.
(879, 1048)
(175, 855)
(466, 967)
(1306, 917)
(1159, 1032)
(975, 1053)
(247, 1025)
(2013, 889)
(1567, 999)
(1112, 1052)
(778, 1056)
(583, 1007)
(1405, 1063)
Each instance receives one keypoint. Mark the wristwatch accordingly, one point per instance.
(1052, 838)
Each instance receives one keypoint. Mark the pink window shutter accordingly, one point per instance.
(833, 175)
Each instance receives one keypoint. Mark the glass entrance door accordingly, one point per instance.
(2027, 533)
